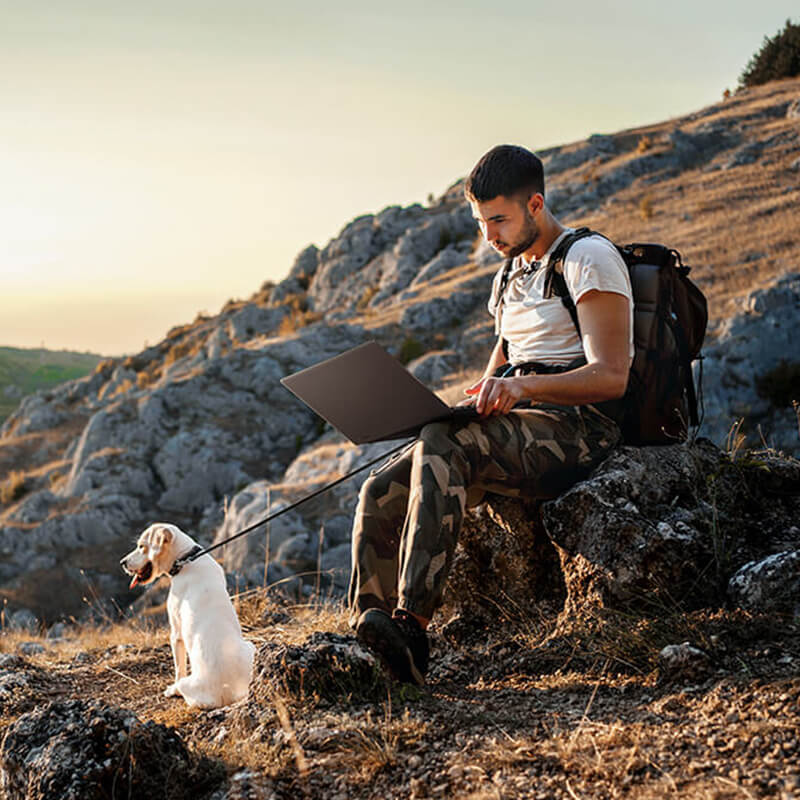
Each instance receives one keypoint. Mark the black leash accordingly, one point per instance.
(199, 551)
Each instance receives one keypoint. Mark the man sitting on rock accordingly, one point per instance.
(537, 431)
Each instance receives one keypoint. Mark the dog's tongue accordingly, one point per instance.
(134, 581)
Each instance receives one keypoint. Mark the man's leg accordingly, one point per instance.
(381, 509)
(537, 452)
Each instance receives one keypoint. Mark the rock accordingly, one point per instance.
(746, 154)
(344, 263)
(504, 562)
(306, 263)
(649, 528)
(23, 620)
(248, 507)
(683, 662)
(433, 367)
(451, 256)
(84, 750)
(749, 346)
(769, 586)
(419, 245)
(634, 529)
(335, 566)
(299, 553)
(440, 313)
(793, 111)
(30, 648)
(252, 321)
(326, 666)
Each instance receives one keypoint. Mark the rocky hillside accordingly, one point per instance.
(197, 429)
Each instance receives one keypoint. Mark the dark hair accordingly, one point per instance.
(505, 170)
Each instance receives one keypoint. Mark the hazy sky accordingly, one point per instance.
(159, 157)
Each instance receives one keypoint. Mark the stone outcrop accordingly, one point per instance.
(749, 371)
(656, 527)
(325, 666)
(771, 584)
(83, 750)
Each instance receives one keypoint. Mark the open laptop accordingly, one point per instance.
(369, 396)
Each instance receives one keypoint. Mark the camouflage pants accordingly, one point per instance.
(410, 510)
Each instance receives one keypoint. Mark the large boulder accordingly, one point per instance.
(652, 527)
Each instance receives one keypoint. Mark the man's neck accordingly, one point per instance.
(549, 231)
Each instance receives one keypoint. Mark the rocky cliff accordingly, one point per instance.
(197, 429)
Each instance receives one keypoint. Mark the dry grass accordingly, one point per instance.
(13, 488)
(702, 208)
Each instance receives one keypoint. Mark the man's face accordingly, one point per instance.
(508, 223)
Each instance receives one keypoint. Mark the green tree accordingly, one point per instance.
(779, 57)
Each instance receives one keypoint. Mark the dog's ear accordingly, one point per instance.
(163, 537)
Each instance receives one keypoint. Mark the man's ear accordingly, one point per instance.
(535, 203)
(163, 537)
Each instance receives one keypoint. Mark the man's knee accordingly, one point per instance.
(439, 437)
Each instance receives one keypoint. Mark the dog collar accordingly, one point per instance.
(181, 562)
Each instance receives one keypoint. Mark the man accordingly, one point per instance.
(537, 431)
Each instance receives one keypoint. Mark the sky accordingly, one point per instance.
(159, 158)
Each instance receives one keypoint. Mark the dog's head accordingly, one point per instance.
(154, 555)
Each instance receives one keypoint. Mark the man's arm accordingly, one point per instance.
(605, 328)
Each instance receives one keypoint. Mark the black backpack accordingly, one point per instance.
(670, 315)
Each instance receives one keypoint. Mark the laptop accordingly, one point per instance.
(369, 396)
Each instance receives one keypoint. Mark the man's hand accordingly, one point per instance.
(494, 395)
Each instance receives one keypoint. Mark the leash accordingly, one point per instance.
(198, 551)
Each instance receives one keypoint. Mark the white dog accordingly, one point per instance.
(202, 620)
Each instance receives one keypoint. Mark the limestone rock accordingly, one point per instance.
(683, 662)
(84, 750)
(504, 562)
(327, 666)
(770, 586)
(433, 367)
(749, 346)
(440, 312)
(652, 527)
(452, 255)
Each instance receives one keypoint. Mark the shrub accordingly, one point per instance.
(178, 351)
(781, 384)
(645, 143)
(13, 488)
(410, 349)
(296, 319)
(779, 57)
(646, 207)
(146, 378)
(367, 295)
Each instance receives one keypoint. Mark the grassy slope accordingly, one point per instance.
(30, 370)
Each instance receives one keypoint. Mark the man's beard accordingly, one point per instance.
(529, 235)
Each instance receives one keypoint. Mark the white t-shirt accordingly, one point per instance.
(542, 330)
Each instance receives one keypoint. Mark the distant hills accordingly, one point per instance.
(23, 372)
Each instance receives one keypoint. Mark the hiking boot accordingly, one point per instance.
(399, 641)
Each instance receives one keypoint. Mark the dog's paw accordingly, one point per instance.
(171, 690)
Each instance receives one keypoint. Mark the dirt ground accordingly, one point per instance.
(520, 709)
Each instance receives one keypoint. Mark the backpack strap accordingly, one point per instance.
(501, 294)
(554, 282)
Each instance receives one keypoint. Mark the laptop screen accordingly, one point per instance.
(367, 395)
